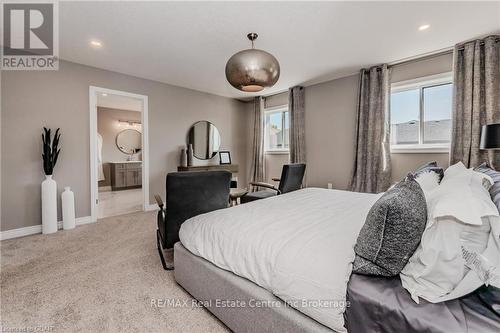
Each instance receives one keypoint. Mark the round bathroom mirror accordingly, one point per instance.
(205, 138)
(129, 141)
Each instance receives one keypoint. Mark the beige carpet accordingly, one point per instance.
(99, 277)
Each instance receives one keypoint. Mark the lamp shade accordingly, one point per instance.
(252, 70)
(490, 137)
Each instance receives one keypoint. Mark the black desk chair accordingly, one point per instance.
(188, 194)
(290, 180)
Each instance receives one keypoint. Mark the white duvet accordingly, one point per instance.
(299, 246)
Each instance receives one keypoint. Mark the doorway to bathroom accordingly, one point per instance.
(118, 152)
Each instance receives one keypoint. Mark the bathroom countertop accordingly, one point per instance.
(119, 162)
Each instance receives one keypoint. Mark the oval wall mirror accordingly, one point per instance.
(205, 138)
(129, 141)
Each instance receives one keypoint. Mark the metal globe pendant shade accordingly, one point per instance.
(252, 70)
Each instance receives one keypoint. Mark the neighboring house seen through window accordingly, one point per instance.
(421, 114)
(276, 129)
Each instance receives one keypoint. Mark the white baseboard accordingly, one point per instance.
(37, 229)
(104, 189)
(84, 220)
(21, 232)
(151, 207)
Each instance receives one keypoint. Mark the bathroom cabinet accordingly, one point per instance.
(125, 175)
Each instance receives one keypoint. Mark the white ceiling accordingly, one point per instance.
(119, 102)
(188, 43)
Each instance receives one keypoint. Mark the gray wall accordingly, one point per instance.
(274, 165)
(330, 123)
(330, 127)
(276, 100)
(31, 100)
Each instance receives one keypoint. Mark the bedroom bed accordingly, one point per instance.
(376, 304)
(247, 260)
(195, 274)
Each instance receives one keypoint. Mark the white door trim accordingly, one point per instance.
(93, 91)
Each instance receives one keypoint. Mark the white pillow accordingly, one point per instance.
(461, 194)
(428, 181)
(463, 223)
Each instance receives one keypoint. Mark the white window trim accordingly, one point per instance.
(431, 80)
(420, 149)
(276, 109)
(426, 81)
(277, 152)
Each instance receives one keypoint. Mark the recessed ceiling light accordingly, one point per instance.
(95, 43)
(424, 27)
(104, 94)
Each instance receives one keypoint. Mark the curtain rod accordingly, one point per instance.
(434, 54)
(462, 46)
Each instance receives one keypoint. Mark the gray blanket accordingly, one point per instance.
(382, 305)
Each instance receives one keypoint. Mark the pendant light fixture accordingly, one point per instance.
(252, 70)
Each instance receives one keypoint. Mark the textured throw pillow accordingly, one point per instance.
(495, 188)
(392, 230)
(430, 166)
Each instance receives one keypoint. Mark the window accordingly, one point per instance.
(276, 130)
(421, 114)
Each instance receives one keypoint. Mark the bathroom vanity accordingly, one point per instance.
(126, 175)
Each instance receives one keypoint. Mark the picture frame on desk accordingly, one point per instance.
(224, 157)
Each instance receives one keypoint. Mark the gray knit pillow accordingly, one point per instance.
(495, 188)
(392, 230)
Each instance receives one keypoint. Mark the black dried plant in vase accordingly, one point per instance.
(50, 150)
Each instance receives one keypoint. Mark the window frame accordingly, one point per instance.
(421, 83)
(277, 109)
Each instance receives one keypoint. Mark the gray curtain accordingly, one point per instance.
(372, 165)
(476, 99)
(297, 125)
(257, 173)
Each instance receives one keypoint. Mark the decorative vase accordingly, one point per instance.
(49, 205)
(190, 155)
(68, 209)
(183, 158)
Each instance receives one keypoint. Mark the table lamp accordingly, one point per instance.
(490, 137)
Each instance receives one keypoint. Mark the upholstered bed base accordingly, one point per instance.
(215, 286)
(367, 313)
